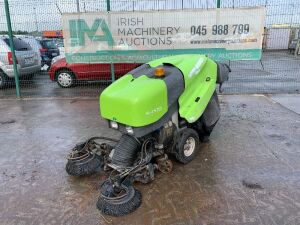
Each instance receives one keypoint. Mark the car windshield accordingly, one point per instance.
(18, 44)
(48, 44)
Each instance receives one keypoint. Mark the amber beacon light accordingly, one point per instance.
(159, 72)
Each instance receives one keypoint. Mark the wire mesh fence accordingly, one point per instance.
(38, 21)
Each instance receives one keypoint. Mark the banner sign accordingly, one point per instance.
(222, 34)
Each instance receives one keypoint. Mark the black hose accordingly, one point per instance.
(143, 161)
(125, 151)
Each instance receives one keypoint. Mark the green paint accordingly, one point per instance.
(143, 56)
(134, 102)
(142, 101)
(189, 67)
(79, 30)
(196, 69)
(198, 87)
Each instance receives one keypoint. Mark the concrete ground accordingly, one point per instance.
(281, 74)
(249, 172)
(291, 102)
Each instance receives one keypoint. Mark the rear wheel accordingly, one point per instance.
(65, 78)
(187, 145)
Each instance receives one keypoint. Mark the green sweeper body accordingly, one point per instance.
(164, 107)
(141, 99)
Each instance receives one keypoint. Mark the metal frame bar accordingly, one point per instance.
(112, 66)
(12, 47)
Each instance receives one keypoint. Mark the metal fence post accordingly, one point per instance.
(107, 5)
(12, 47)
(35, 20)
(77, 6)
(112, 67)
(297, 48)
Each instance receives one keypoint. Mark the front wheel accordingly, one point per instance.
(65, 79)
(187, 145)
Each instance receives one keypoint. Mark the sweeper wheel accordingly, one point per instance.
(118, 201)
(187, 146)
(82, 163)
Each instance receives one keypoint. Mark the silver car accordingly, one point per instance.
(33, 42)
(28, 61)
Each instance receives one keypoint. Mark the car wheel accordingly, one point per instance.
(65, 79)
(3, 80)
(187, 145)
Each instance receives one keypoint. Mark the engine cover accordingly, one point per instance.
(140, 98)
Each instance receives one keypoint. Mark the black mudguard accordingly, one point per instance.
(223, 73)
(211, 114)
(205, 124)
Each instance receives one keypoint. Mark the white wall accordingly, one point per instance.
(278, 38)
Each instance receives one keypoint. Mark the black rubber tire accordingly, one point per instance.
(122, 206)
(93, 163)
(3, 80)
(68, 73)
(179, 148)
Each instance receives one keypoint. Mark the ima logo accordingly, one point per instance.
(79, 30)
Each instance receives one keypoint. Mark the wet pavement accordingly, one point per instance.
(291, 102)
(249, 172)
